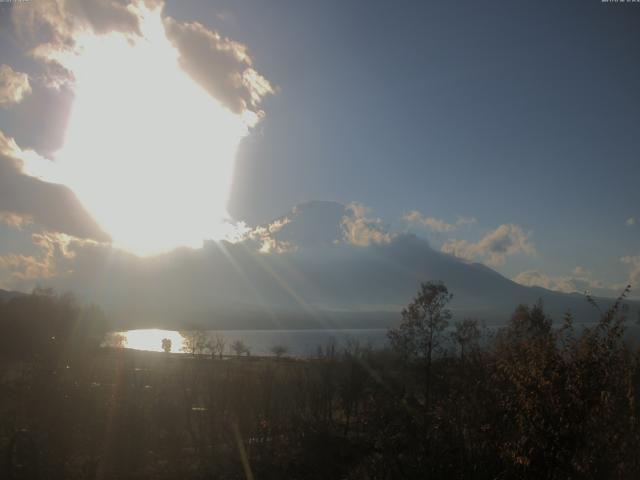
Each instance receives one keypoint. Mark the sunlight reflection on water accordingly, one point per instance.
(151, 339)
(260, 342)
(299, 343)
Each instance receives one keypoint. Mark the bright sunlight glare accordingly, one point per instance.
(151, 339)
(148, 151)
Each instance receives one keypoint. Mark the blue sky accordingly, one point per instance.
(511, 113)
(505, 111)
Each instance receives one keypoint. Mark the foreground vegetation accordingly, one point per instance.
(529, 401)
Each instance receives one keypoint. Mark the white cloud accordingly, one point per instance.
(435, 223)
(579, 281)
(362, 231)
(460, 249)
(8, 146)
(633, 263)
(264, 238)
(14, 86)
(580, 271)
(495, 246)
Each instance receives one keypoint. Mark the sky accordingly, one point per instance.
(506, 133)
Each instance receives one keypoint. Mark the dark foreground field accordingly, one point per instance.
(530, 402)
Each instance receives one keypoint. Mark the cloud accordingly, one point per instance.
(40, 120)
(54, 24)
(222, 66)
(630, 222)
(436, 224)
(264, 238)
(14, 86)
(633, 263)
(495, 246)
(51, 29)
(579, 281)
(362, 231)
(53, 206)
(101, 43)
(315, 224)
(23, 271)
(227, 285)
(15, 221)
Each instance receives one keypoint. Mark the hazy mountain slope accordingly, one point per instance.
(8, 295)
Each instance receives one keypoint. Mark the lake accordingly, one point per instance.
(299, 343)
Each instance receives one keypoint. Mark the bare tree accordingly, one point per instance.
(166, 345)
(195, 342)
(239, 348)
(279, 350)
(217, 345)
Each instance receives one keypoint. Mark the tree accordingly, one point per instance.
(466, 335)
(422, 324)
(239, 348)
(528, 323)
(166, 345)
(195, 342)
(568, 398)
(279, 350)
(419, 334)
(217, 345)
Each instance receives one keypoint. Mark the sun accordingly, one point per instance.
(147, 150)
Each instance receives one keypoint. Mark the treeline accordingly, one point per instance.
(533, 400)
(45, 323)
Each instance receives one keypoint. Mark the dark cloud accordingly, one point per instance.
(53, 206)
(40, 120)
(223, 67)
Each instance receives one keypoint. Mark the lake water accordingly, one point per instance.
(299, 343)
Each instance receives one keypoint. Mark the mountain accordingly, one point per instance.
(6, 295)
(319, 281)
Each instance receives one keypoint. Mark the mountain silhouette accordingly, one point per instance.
(6, 295)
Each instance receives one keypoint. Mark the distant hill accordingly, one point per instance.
(8, 295)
